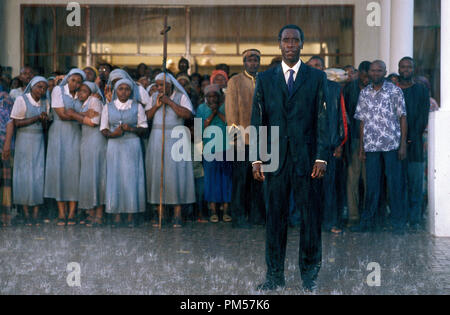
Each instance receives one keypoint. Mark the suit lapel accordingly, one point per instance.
(281, 81)
(301, 77)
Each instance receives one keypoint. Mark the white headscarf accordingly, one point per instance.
(123, 81)
(71, 73)
(177, 86)
(122, 74)
(33, 82)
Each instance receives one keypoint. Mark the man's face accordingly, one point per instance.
(406, 69)
(104, 73)
(364, 78)
(315, 63)
(183, 66)
(350, 74)
(376, 73)
(251, 64)
(90, 74)
(26, 76)
(291, 45)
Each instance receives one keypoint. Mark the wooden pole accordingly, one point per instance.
(161, 183)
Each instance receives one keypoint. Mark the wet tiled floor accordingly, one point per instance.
(211, 259)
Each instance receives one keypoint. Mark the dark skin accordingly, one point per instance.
(377, 73)
(291, 46)
(406, 71)
(123, 94)
(38, 90)
(74, 83)
(165, 99)
(83, 118)
(251, 65)
(213, 100)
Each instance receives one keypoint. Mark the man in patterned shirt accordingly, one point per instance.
(383, 130)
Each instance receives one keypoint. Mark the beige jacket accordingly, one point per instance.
(238, 101)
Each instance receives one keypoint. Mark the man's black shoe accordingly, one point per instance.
(270, 285)
(310, 286)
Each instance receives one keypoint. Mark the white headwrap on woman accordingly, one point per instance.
(71, 73)
(176, 85)
(150, 87)
(92, 86)
(33, 82)
(122, 74)
(128, 82)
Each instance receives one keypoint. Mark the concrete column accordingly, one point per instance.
(402, 31)
(439, 142)
(385, 33)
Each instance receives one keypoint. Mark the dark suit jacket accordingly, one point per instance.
(301, 117)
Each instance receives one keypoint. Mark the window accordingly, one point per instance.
(128, 35)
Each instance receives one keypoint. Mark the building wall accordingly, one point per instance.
(366, 37)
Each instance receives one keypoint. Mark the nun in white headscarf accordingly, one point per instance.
(179, 187)
(123, 120)
(93, 157)
(62, 170)
(140, 95)
(29, 113)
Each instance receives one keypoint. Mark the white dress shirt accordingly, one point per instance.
(286, 69)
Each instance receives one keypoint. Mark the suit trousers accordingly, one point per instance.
(246, 194)
(306, 196)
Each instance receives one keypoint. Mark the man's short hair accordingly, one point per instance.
(317, 57)
(408, 59)
(292, 27)
(364, 66)
(379, 62)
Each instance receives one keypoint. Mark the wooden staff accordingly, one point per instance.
(161, 185)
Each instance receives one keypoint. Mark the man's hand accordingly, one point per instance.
(258, 173)
(319, 170)
(402, 152)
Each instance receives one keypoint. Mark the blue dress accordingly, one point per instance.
(178, 180)
(218, 174)
(93, 162)
(125, 177)
(29, 160)
(62, 169)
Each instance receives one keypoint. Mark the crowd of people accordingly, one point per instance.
(86, 147)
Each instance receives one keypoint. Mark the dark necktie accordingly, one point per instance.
(290, 83)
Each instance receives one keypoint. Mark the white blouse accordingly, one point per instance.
(19, 109)
(57, 99)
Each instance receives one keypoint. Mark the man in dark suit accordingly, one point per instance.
(291, 96)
